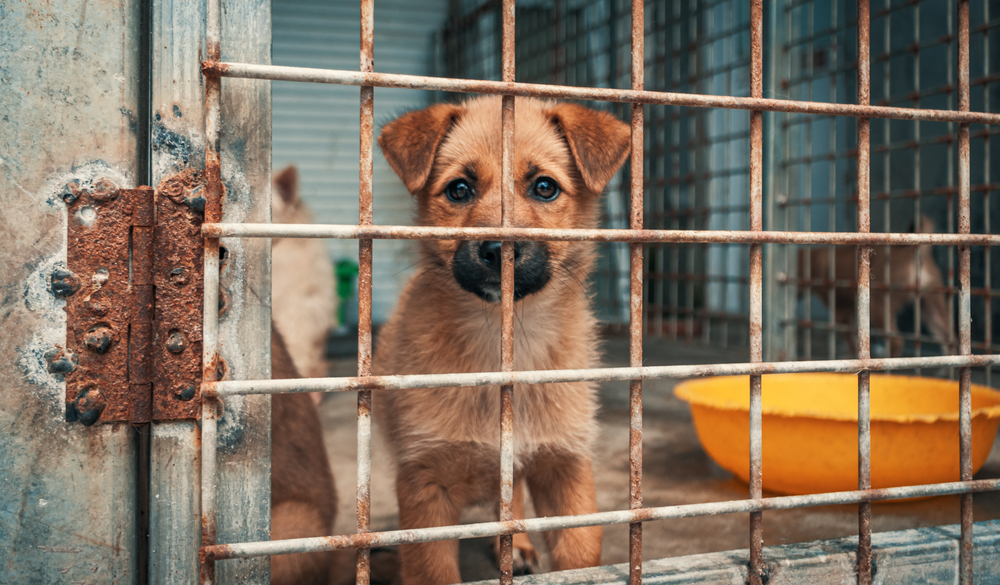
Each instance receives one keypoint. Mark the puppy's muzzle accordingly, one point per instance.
(476, 267)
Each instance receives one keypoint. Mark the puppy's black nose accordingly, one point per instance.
(489, 253)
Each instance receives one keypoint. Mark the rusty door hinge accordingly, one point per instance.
(133, 287)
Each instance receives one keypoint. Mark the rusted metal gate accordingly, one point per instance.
(76, 489)
(755, 237)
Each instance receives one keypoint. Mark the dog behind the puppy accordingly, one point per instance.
(302, 286)
(303, 495)
(903, 271)
(446, 440)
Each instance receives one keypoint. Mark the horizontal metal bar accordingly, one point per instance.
(357, 78)
(402, 232)
(243, 387)
(247, 550)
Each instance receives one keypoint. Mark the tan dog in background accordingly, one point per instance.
(903, 271)
(446, 440)
(302, 286)
(303, 495)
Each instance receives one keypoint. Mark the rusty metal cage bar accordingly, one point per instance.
(507, 298)
(756, 289)
(410, 381)
(210, 326)
(365, 259)
(396, 537)
(965, 304)
(365, 232)
(988, 299)
(604, 94)
(635, 294)
(864, 300)
(405, 232)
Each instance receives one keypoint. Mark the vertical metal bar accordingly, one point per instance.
(756, 286)
(558, 47)
(831, 298)
(367, 56)
(964, 304)
(917, 212)
(709, 183)
(635, 296)
(794, 332)
(210, 326)
(887, 317)
(988, 283)
(507, 300)
(864, 298)
(950, 226)
(805, 175)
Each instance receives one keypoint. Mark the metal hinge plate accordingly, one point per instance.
(133, 289)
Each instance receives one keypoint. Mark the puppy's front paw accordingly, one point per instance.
(525, 555)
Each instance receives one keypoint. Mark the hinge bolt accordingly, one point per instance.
(87, 407)
(71, 192)
(187, 393)
(60, 361)
(64, 282)
(98, 339)
(178, 277)
(176, 342)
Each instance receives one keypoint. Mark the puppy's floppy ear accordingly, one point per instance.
(287, 183)
(598, 140)
(410, 142)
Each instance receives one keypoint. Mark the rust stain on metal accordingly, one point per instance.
(864, 296)
(179, 282)
(507, 296)
(354, 78)
(756, 523)
(636, 209)
(95, 285)
(365, 256)
(965, 306)
(209, 551)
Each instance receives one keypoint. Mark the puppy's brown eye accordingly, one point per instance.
(458, 190)
(545, 189)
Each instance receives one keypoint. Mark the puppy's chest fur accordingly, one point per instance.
(427, 335)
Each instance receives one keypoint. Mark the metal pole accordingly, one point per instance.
(363, 560)
(507, 300)
(398, 232)
(964, 302)
(635, 296)
(756, 288)
(606, 94)
(864, 300)
(437, 533)
(210, 327)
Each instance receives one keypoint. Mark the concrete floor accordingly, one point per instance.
(675, 471)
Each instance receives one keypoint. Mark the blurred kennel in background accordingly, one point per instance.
(697, 160)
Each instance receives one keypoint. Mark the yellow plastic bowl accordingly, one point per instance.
(810, 429)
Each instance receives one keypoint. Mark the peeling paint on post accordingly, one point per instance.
(67, 500)
(178, 145)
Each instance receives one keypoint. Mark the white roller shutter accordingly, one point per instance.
(316, 126)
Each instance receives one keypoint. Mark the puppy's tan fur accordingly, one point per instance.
(303, 495)
(302, 286)
(446, 441)
(903, 271)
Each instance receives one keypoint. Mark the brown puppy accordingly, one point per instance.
(903, 271)
(303, 495)
(446, 441)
